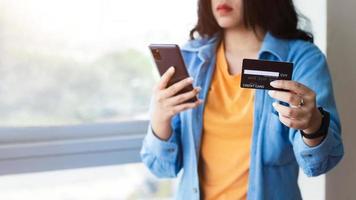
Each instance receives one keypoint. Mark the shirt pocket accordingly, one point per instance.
(277, 149)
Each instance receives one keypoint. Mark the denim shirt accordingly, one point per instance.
(277, 152)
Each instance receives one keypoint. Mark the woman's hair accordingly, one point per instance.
(278, 17)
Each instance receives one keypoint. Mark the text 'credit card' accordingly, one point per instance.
(258, 74)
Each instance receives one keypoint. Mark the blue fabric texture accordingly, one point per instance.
(277, 152)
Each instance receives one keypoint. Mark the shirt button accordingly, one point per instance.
(195, 190)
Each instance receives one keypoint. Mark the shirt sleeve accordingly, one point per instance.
(163, 158)
(311, 70)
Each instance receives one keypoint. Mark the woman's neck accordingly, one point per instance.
(240, 44)
(239, 40)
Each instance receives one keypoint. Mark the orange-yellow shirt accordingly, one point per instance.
(227, 129)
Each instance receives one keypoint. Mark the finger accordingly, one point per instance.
(293, 113)
(183, 97)
(293, 86)
(176, 87)
(288, 97)
(181, 107)
(292, 123)
(165, 78)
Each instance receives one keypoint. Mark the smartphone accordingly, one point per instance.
(167, 55)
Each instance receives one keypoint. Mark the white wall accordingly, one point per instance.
(341, 48)
(315, 10)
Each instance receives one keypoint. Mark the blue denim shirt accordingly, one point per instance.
(277, 152)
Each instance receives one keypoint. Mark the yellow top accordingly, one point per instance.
(226, 140)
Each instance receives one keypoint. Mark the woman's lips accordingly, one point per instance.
(224, 8)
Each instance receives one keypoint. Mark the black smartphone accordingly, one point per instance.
(167, 55)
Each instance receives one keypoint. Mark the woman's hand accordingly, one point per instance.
(303, 113)
(167, 103)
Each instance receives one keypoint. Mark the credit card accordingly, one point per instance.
(258, 74)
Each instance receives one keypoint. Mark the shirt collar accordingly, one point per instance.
(277, 47)
(206, 46)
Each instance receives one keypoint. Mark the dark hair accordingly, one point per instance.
(279, 17)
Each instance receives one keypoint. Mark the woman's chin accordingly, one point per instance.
(225, 24)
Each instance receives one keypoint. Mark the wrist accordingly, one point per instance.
(316, 122)
(314, 138)
(161, 128)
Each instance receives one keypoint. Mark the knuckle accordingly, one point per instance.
(185, 84)
(173, 89)
(164, 79)
(297, 84)
(302, 115)
(313, 105)
(290, 112)
(309, 116)
(193, 93)
(290, 98)
(286, 84)
(181, 98)
(188, 95)
(188, 80)
(313, 95)
(165, 105)
(180, 86)
(309, 108)
(173, 111)
(159, 99)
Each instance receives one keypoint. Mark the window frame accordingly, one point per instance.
(38, 149)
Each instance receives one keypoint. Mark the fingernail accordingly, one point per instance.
(198, 89)
(274, 83)
(270, 92)
(171, 68)
(190, 79)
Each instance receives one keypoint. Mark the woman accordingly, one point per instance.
(236, 143)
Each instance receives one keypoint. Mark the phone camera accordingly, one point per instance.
(156, 54)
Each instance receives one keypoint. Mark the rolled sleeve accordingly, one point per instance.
(311, 69)
(318, 159)
(165, 150)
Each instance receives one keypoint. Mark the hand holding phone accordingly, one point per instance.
(173, 93)
(168, 55)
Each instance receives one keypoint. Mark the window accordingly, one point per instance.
(71, 62)
(97, 183)
(76, 79)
